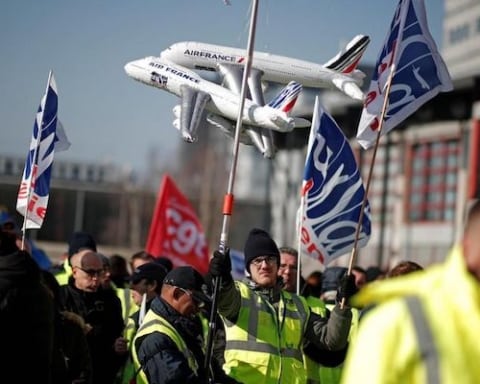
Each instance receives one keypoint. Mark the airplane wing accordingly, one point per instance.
(191, 112)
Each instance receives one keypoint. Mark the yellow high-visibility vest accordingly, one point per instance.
(155, 323)
(264, 345)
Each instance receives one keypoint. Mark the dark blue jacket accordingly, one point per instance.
(163, 361)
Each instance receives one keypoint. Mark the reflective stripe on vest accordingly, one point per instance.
(126, 304)
(266, 337)
(154, 323)
(428, 350)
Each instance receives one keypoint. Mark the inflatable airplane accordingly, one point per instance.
(204, 101)
(225, 65)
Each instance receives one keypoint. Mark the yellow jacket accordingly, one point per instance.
(425, 330)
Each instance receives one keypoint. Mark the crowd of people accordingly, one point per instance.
(98, 319)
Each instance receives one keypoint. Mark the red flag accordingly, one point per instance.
(175, 231)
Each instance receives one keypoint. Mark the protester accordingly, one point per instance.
(78, 241)
(146, 280)
(165, 262)
(425, 325)
(119, 274)
(403, 268)
(330, 280)
(288, 269)
(71, 361)
(360, 276)
(128, 305)
(266, 326)
(105, 280)
(317, 363)
(8, 224)
(26, 316)
(146, 284)
(373, 273)
(139, 258)
(313, 284)
(168, 347)
(101, 310)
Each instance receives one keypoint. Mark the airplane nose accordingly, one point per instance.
(134, 70)
(128, 69)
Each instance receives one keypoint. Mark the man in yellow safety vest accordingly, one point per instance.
(424, 326)
(266, 326)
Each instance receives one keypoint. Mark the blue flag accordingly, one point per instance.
(35, 186)
(332, 193)
(419, 72)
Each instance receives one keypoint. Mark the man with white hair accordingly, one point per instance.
(101, 310)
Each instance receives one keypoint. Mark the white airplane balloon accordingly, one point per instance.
(204, 101)
(225, 64)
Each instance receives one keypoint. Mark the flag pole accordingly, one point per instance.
(229, 198)
(370, 172)
(302, 201)
(34, 160)
(299, 240)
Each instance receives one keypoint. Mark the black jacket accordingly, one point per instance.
(163, 362)
(103, 311)
(26, 320)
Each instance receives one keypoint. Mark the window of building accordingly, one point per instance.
(90, 174)
(75, 172)
(433, 180)
(8, 167)
(62, 172)
(381, 195)
(459, 33)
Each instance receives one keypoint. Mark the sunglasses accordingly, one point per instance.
(199, 303)
(92, 272)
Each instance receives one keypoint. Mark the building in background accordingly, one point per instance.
(99, 199)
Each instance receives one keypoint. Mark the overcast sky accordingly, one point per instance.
(110, 117)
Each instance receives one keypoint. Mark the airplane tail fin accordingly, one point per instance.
(286, 99)
(348, 58)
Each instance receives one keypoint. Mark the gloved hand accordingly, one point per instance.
(346, 288)
(221, 265)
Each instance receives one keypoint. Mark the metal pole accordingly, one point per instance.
(228, 198)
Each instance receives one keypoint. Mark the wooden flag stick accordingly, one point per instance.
(353, 255)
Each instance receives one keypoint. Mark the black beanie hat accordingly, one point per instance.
(259, 243)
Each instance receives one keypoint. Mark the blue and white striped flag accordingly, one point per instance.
(35, 186)
(332, 193)
(420, 73)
